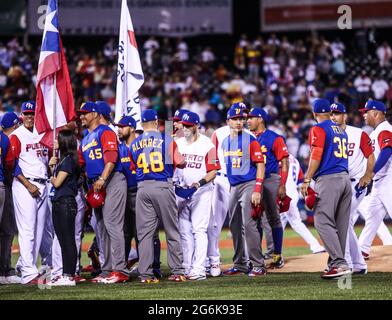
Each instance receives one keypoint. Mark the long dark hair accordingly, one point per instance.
(68, 146)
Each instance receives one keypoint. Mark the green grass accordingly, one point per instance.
(272, 287)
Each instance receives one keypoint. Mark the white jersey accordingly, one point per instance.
(33, 157)
(196, 155)
(217, 138)
(358, 143)
(294, 177)
(375, 137)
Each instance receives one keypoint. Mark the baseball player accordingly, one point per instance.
(245, 170)
(328, 166)
(360, 166)
(275, 151)
(220, 199)
(9, 123)
(29, 192)
(292, 216)
(99, 155)
(379, 202)
(153, 158)
(194, 207)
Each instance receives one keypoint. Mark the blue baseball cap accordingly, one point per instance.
(178, 114)
(338, 107)
(126, 121)
(104, 109)
(9, 120)
(235, 112)
(321, 105)
(190, 119)
(28, 107)
(240, 105)
(258, 113)
(374, 105)
(149, 115)
(88, 107)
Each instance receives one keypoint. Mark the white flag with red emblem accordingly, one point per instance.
(129, 70)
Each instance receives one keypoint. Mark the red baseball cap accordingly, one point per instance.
(257, 211)
(284, 205)
(310, 199)
(96, 199)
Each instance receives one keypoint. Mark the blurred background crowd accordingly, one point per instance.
(280, 73)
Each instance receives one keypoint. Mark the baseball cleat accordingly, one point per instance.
(88, 268)
(277, 262)
(97, 279)
(36, 281)
(149, 280)
(79, 279)
(233, 271)
(115, 277)
(215, 270)
(62, 281)
(335, 273)
(359, 271)
(196, 277)
(257, 271)
(365, 255)
(3, 280)
(177, 278)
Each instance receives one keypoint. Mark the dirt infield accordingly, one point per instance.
(380, 261)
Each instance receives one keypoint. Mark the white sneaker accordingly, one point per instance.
(3, 280)
(194, 276)
(215, 270)
(13, 279)
(62, 281)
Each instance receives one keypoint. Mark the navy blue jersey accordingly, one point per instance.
(125, 159)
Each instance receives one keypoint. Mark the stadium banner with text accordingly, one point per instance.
(12, 17)
(150, 17)
(287, 15)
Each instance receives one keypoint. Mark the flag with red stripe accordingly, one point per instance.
(54, 97)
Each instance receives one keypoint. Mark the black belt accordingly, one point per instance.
(221, 174)
(40, 181)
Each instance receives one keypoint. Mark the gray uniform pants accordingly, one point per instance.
(110, 221)
(270, 192)
(7, 230)
(332, 215)
(240, 216)
(156, 201)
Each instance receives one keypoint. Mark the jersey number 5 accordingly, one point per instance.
(342, 148)
(156, 162)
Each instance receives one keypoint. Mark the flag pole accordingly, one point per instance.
(54, 110)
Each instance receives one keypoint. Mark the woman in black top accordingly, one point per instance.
(65, 175)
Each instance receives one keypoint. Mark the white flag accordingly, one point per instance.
(129, 70)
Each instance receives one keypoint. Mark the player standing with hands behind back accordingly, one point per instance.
(328, 166)
(65, 176)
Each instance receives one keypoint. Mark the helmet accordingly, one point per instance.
(96, 199)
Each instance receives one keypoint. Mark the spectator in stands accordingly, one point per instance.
(362, 84)
(384, 54)
(380, 88)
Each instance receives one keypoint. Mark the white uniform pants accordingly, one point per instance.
(194, 216)
(382, 231)
(353, 255)
(30, 215)
(379, 205)
(219, 210)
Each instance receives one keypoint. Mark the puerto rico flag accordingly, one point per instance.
(52, 98)
(130, 75)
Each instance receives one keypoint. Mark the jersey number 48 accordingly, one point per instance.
(155, 164)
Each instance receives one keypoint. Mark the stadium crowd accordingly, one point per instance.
(270, 71)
